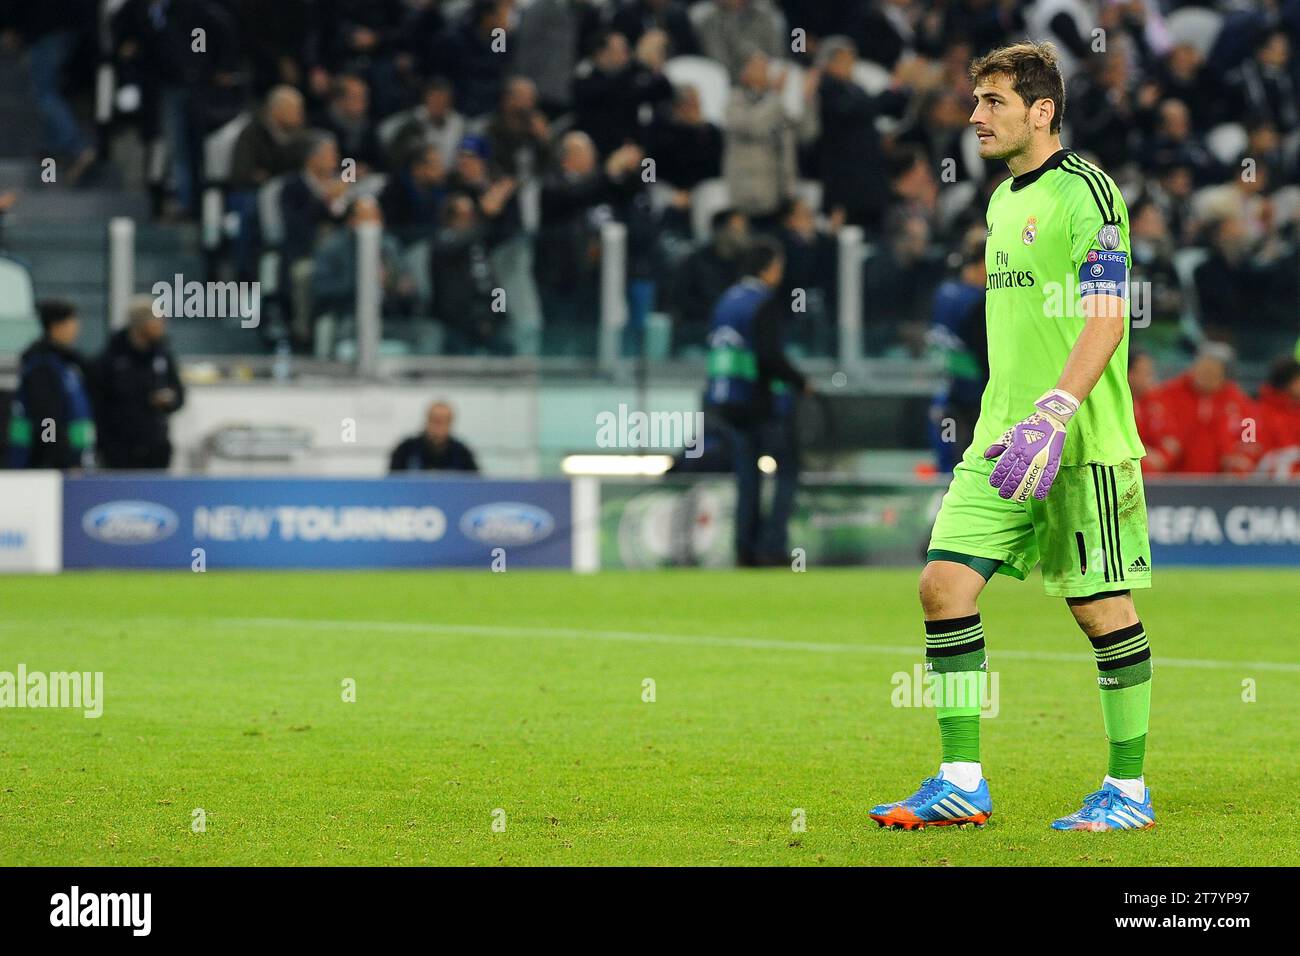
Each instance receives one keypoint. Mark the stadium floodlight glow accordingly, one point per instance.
(767, 464)
(614, 465)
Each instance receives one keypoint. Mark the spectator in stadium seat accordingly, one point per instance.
(898, 284)
(348, 120)
(610, 88)
(1174, 141)
(464, 283)
(634, 17)
(434, 122)
(1233, 288)
(312, 204)
(704, 275)
(334, 274)
(1162, 299)
(474, 54)
(1181, 75)
(519, 135)
(1200, 419)
(577, 197)
(852, 163)
(1277, 448)
(138, 387)
(1108, 117)
(686, 148)
(412, 198)
(551, 39)
(1264, 85)
(730, 31)
(435, 448)
(811, 263)
(52, 418)
(269, 146)
(761, 163)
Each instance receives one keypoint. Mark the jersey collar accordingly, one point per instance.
(1024, 179)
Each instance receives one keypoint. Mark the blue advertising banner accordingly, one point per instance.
(1223, 523)
(397, 522)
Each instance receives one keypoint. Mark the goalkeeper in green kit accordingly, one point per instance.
(1053, 474)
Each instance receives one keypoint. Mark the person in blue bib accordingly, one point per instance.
(751, 390)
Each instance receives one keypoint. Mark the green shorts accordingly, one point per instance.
(1090, 532)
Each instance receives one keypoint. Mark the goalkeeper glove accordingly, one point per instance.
(1029, 452)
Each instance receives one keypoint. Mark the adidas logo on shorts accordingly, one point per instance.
(1139, 565)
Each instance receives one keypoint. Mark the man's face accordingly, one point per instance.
(429, 169)
(324, 163)
(840, 65)
(65, 333)
(437, 424)
(614, 55)
(579, 157)
(1142, 376)
(1000, 118)
(754, 75)
(1174, 120)
(437, 103)
(288, 114)
(470, 166)
(1208, 374)
(801, 219)
(353, 100)
(1149, 224)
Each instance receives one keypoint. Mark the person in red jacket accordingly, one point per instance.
(1278, 421)
(1200, 421)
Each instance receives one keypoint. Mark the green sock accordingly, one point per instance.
(958, 671)
(1124, 677)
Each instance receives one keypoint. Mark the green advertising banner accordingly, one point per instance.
(684, 522)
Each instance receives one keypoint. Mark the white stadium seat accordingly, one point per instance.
(708, 198)
(1196, 27)
(1227, 142)
(709, 78)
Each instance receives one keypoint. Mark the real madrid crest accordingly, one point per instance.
(1030, 232)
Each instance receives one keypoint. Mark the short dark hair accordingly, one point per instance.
(1035, 73)
(721, 217)
(762, 252)
(54, 311)
(1283, 372)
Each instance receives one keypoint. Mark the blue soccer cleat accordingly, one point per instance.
(1109, 809)
(937, 804)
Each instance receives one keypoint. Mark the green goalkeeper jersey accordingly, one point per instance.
(1055, 235)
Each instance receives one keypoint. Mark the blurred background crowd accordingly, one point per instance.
(494, 139)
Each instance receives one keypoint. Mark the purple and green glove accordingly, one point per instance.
(1029, 452)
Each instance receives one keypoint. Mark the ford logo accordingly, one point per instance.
(129, 522)
(506, 522)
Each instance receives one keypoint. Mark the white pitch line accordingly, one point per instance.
(639, 637)
(706, 640)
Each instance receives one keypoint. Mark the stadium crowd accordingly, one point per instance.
(492, 139)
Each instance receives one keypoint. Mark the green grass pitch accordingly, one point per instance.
(523, 693)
